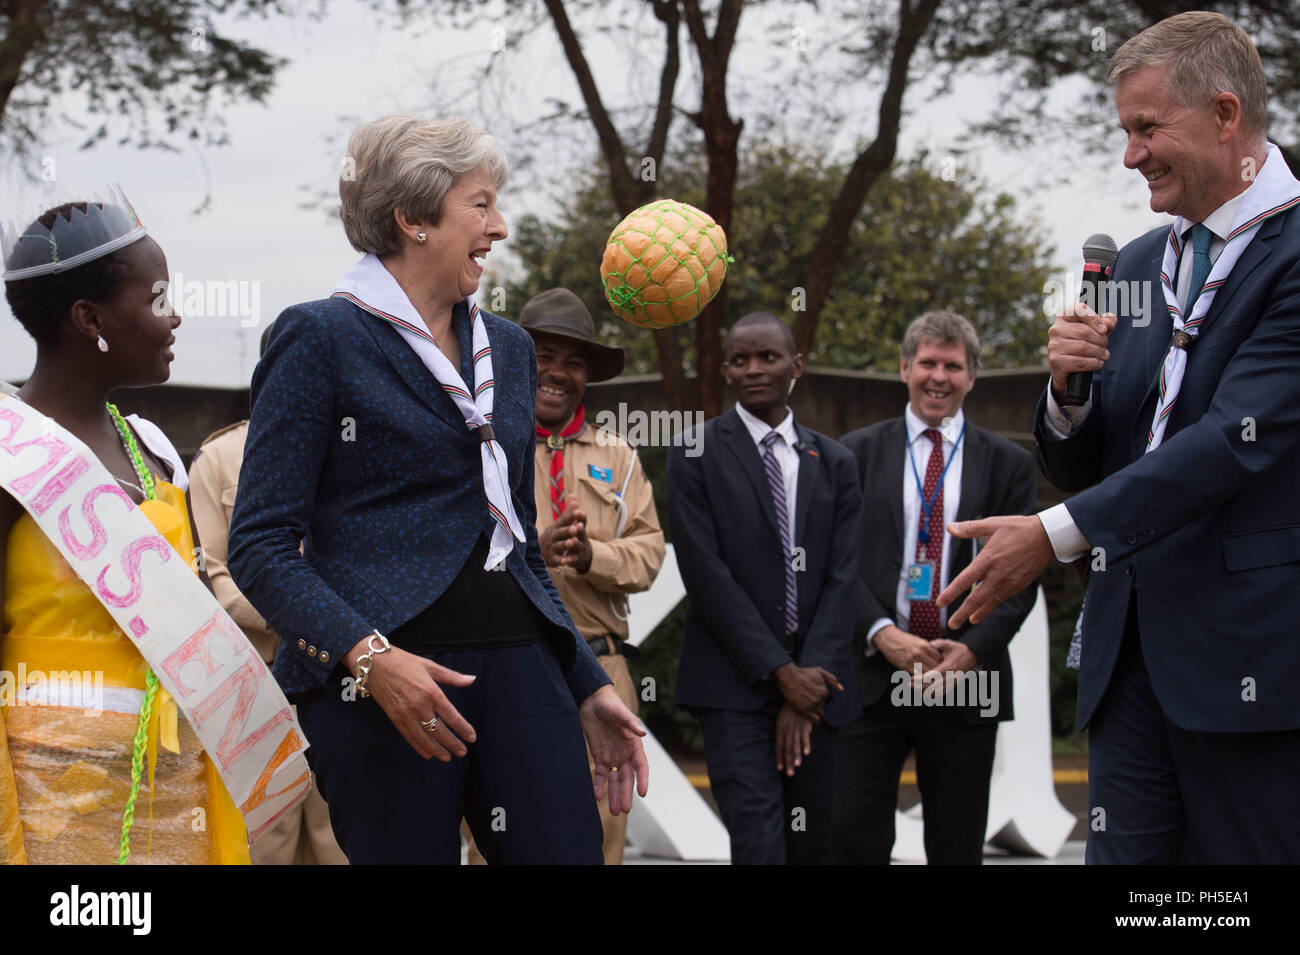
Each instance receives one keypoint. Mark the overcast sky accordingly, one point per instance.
(345, 68)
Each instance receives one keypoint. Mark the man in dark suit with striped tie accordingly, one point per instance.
(764, 516)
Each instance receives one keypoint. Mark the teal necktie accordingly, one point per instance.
(1200, 265)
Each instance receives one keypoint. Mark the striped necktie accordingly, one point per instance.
(776, 481)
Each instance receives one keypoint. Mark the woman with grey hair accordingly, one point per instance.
(435, 669)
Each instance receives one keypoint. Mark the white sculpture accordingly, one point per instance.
(1025, 817)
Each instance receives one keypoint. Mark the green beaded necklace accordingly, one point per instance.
(150, 679)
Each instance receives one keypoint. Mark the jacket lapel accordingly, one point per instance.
(809, 469)
(1156, 339)
(1158, 346)
(413, 371)
(889, 477)
(1251, 258)
(736, 437)
(974, 481)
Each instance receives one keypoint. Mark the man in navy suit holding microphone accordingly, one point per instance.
(1186, 461)
(765, 526)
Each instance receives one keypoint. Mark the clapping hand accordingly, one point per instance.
(564, 543)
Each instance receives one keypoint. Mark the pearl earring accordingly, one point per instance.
(420, 237)
(103, 345)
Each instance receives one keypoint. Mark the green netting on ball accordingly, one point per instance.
(628, 295)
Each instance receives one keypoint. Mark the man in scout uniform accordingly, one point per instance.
(596, 518)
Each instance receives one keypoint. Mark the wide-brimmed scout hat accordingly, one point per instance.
(559, 312)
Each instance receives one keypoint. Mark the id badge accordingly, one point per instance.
(920, 580)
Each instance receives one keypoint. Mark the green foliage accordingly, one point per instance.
(927, 237)
(150, 73)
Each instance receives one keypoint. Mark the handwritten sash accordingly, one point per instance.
(200, 655)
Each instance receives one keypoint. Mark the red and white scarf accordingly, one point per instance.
(556, 442)
(371, 287)
(1274, 191)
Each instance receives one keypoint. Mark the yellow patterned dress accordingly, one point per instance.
(66, 727)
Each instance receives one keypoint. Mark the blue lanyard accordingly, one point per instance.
(923, 534)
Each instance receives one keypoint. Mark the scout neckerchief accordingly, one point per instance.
(371, 287)
(1274, 191)
(555, 443)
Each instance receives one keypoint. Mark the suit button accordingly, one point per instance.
(302, 644)
(324, 656)
(1128, 569)
(311, 651)
(1132, 538)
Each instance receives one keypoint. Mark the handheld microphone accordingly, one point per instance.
(1099, 254)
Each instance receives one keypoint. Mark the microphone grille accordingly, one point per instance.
(1101, 249)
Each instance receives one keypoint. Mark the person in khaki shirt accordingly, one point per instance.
(303, 836)
(596, 518)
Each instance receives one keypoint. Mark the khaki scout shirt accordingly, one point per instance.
(214, 477)
(620, 565)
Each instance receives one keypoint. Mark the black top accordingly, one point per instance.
(481, 609)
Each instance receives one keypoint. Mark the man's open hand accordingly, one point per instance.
(1016, 554)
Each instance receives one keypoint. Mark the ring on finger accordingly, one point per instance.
(431, 725)
(613, 769)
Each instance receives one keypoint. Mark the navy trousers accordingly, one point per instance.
(772, 819)
(954, 763)
(1163, 795)
(524, 787)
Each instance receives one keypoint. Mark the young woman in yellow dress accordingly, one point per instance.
(91, 775)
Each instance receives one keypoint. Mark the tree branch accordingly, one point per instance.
(666, 11)
(621, 182)
(23, 35)
(914, 19)
(724, 33)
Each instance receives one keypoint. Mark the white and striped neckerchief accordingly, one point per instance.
(1274, 191)
(371, 287)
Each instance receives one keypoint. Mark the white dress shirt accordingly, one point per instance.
(1068, 542)
(920, 447)
(786, 456)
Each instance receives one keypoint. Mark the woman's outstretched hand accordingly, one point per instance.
(406, 687)
(614, 738)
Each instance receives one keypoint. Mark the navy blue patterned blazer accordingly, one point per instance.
(355, 450)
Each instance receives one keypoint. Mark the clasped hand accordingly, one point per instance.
(806, 689)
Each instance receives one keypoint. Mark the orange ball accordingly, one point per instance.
(663, 264)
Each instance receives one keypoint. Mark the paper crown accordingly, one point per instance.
(75, 237)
